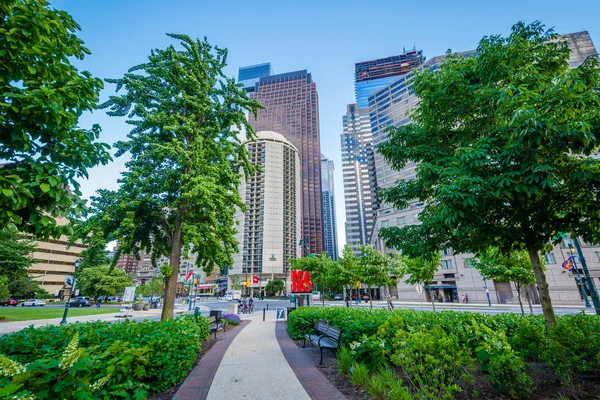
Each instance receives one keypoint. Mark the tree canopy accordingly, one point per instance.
(180, 188)
(503, 142)
(42, 96)
(420, 270)
(103, 281)
(16, 253)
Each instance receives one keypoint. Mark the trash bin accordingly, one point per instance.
(289, 311)
(216, 314)
(154, 304)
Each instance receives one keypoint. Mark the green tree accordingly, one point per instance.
(143, 290)
(514, 267)
(321, 271)
(379, 270)
(94, 256)
(26, 288)
(156, 286)
(346, 272)
(274, 286)
(42, 96)
(16, 253)
(103, 281)
(180, 189)
(420, 270)
(235, 282)
(4, 292)
(503, 142)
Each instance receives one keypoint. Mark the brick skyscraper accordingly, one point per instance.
(292, 109)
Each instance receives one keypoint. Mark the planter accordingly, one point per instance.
(138, 307)
(146, 307)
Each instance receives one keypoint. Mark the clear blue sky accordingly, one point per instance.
(325, 37)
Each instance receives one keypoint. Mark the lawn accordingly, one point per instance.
(13, 314)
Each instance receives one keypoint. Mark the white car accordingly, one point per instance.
(33, 302)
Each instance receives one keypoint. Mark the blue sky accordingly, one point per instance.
(324, 37)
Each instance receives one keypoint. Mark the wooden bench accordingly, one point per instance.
(215, 325)
(324, 336)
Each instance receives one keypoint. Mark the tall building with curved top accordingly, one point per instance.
(269, 229)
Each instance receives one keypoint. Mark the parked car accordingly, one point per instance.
(33, 302)
(9, 302)
(338, 296)
(80, 301)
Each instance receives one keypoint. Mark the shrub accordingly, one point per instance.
(344, 360)
(384, 384)
(359, 374)
(433, 363)
(506, 372)
(231, 319)
(132, 353)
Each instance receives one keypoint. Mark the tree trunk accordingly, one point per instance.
(528, 300)
(542, 287)
(370, 298)
(171, 281)
(388, 298)
(351, 296)
(432, 299)
(519, 288)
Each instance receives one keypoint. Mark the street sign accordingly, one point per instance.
(129, 294)
(280, 311)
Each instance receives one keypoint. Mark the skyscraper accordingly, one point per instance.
(248, 76)
(269, 230)
(292, 109)
(329, 219)
(372, 75)
(360, 184)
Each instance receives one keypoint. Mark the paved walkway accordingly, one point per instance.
(254, 367)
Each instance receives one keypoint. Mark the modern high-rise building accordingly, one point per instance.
(249, 76)
(292, 109)
(358, 169)
(370, 76)
(329, 219)
(389, 107)
(269, 229)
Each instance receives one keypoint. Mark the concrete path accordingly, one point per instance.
(254, 367)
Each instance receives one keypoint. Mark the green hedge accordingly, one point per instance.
(499, 345)
(137, 357)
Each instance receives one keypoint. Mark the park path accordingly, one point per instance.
(254, 366)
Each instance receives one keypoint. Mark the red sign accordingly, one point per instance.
(301, 282)
(255, 279)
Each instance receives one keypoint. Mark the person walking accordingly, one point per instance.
(251, 305)
(98, 302)
(463, 298)
(467, 298)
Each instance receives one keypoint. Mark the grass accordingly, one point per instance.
(19, 313)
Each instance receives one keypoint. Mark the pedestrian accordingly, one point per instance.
(463, 298)
(251, 305)
(467, 298)
(98, 302)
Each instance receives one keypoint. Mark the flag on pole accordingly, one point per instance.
(568, 263)
(189, 275)
(255, 279)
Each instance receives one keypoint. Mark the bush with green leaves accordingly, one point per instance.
(140, 357)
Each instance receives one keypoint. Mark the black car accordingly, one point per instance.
(80, 302)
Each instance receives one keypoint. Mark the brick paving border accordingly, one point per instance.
(303, 364)
(197, 384)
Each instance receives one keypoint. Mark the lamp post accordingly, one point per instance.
(487, 293)
(579, 280)
(64, 318)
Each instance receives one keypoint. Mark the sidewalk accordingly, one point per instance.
(254, 366)
(10, 327)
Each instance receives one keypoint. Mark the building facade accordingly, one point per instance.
(372, 75)
(270, 228)
(329, 218)
(456, 276)
(54, 261)
(128, 263)
(249, 76)
(360, 184)
(292, 109)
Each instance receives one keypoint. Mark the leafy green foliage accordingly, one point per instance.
(156, 286)
(95, 255)
(344, 360)
(180, 187)
(26, 288)
(16, 253)
(42, 97)
(274, 286)
(133, 359)
(376, 269)
(4, 293)
(502, 139)
(359, 374)
(458, 342)
(101, 281)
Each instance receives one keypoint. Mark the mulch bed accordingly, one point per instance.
(547, 383)
(206, 346)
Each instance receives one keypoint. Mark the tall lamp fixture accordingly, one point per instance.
(64, 318)
(579, 280)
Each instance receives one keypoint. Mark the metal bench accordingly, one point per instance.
(324, 336)
(215, 325)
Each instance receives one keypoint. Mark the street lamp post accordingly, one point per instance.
(579, 280)
(487, 293)
(588, 278)
(64, 318)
